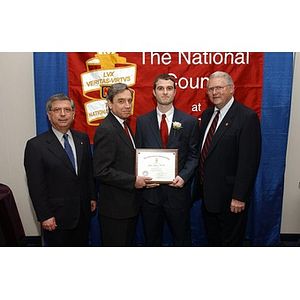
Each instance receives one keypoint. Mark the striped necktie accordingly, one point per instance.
(126, 129)
(207, 142)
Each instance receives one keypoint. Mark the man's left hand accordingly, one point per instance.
(237, 206)
(178, 182)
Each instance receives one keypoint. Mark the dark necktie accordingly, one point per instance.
(69, 150)
(207, 142)
(126, 129)
(164, 132)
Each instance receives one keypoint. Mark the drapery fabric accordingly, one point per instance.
(52, 75)
(266, 209)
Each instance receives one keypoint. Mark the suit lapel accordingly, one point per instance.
(131, 132)
(174, 133)
(120, 130)
(79, 143)
(57, 149)
(153, 125)
(204, 123)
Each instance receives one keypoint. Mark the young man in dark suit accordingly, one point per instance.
(61, 187)
(228, 164)
(168, 202)
(114, 161)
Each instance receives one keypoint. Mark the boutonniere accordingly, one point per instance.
(177, 125)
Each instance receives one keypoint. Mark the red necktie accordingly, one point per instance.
(126, 129)
(206, 145)
(164, 132)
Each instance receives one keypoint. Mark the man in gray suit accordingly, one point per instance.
(170, 202)
(114, 160)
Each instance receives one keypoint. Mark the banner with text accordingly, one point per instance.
(91, 74)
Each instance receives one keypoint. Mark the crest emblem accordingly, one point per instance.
(103, 70)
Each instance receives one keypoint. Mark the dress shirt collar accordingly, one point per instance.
(60, 135)
(169, 114)
(121, 121)
(224, 110)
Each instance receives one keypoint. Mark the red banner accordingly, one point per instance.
(91, 74)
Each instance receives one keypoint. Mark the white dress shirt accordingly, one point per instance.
(169, 117)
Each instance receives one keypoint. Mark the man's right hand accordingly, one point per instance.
(49, 224)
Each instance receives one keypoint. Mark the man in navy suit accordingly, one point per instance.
(229, 164)
(172, 202)
(61, 188)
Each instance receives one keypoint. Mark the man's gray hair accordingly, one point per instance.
(115, 89)
(225, 75)
(58, 97)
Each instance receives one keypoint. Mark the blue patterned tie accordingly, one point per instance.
(69, 150)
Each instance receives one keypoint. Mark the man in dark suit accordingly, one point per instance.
(114, 161)
(228, 164)
(61, 187)
(170, 202)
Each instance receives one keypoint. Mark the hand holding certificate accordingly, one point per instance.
(160, 164)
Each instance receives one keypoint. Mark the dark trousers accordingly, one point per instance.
(154, 217)
(118, 232)
(77, 237)
(225, 229)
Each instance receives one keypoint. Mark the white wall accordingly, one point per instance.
(17, 125)
(291, 198)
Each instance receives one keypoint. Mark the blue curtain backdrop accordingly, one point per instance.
(265, 215)
(51, 77)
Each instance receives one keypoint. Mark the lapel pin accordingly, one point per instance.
(226, 124)
(81, 143)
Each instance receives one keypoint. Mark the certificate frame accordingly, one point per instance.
(160, 164)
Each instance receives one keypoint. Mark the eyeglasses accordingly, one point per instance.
(58, 110)
(217, 88)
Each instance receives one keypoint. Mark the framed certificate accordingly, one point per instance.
(160, 164)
